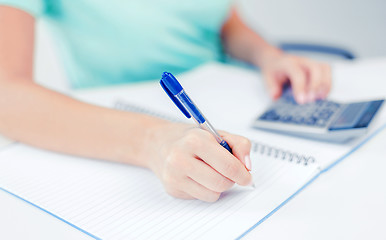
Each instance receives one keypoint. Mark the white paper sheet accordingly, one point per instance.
(115, 201)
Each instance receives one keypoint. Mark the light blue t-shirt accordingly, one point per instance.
(120, 41)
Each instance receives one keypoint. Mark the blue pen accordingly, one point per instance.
(177, 94)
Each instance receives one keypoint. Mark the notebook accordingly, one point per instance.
(114, 201)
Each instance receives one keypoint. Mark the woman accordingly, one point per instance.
(125, 41)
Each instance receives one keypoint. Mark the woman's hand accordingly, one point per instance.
(193, 165)
(310, 80)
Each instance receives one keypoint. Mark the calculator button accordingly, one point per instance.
(321, 122)
(298, 120)
(271, 115)
(286, 118)
(310, 121)
(286, 110)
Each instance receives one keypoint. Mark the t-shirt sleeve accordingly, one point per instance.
(34, 7)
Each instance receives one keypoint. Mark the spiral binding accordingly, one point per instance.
(257, 147)
(264, 149)
(125, 106)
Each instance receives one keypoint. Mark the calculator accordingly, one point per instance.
(321, 120)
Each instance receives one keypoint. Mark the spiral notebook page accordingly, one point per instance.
(115, 201)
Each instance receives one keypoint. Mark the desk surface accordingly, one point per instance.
(19, 220)
(347, 202)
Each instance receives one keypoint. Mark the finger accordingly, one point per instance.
(326, 81)
(222, 161)
(178, 194)
(206, 176)
(241, 148)
(298, 80)
(315, 79)
(273, 85)
(198, 191)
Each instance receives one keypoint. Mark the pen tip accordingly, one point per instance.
(251, 185)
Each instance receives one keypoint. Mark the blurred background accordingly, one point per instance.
(357, 25)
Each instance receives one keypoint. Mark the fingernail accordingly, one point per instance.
(311, 97)
(248, 163)
(325, 93)
(301, 98)
(320, 94)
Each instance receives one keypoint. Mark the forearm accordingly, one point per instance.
(243, 43)
(37, 116)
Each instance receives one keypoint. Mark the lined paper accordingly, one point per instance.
(116, 201)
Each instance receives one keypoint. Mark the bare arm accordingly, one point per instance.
(243, 43)
(32, 114)
(189, 161)
(310, 80)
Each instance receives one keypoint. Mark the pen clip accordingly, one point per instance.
(175, 100)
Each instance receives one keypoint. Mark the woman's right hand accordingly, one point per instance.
(192, 165)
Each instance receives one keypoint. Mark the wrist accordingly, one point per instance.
(266, 55)
(161, 138)
(153, 141)
(137, 144)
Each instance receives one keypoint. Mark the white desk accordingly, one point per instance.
(346, 202)
(19, 220)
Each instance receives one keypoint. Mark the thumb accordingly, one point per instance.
(241, 148)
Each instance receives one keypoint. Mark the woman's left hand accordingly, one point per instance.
(310, 80)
